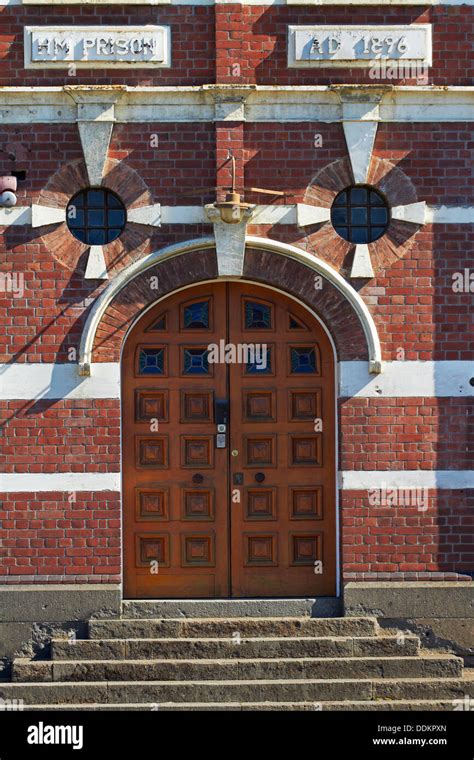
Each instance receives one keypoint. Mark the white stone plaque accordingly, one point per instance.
(97, 46)
(358, 45)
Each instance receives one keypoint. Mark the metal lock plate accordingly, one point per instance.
(220, 441)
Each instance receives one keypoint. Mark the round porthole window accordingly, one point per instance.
(360, 214)
(96, 216)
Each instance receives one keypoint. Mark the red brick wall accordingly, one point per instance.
(404, 543)
(192, 31)
(250, 43)
(61, 435)
(256, 37)
(48, 537)
(407, 434)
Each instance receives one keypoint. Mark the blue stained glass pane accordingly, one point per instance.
(257, 315)
(151, 361)
(339, 216)
(259, 367)
(75, 217)
(114, 202)
(376, 199)
(360, 235)
(197, 315)
(96, 237)
(96, 218)
(303, 361)
(341, 199)
(378, 216)
(358, 215)
(116, 218)
(196, 361)
(358, 195)
(95, 198)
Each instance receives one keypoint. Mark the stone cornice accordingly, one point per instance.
(253, 103)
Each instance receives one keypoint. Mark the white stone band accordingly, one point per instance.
(301, 214)
(73, 482)
(370, 479)
(400, 379)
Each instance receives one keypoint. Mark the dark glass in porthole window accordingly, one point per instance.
(360, 214)
(96, 216)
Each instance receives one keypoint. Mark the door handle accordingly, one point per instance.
(221, 414)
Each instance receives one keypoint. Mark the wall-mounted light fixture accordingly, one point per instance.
(8, 187)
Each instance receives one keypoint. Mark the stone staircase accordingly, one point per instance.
(240, 663)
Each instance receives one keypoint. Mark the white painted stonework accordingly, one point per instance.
(59, 481)
(301, 214)
(149, 215)
(449, 215)
(411, 212)
(307, 214)
(358, 45)
(261, 104)
(15, 216)
(361, 263)
(403, 379)
(369, 479)
(96, 268)
(348, 480)
(360, 139)
(96, 46)
(230, 242)
(49, 381)
(95, 140)
(44, 215)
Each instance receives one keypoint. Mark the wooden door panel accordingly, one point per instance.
(175, 480)
(285, 520)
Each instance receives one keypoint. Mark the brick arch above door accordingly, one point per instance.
(268, 262)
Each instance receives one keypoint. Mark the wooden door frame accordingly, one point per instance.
(263, 286)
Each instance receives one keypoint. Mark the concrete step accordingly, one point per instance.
(222, 628)
(395, 705)
(323, 606)
(272, 690)
(218, 648)
(426, 666)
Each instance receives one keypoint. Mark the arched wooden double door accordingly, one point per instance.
(228, 448)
